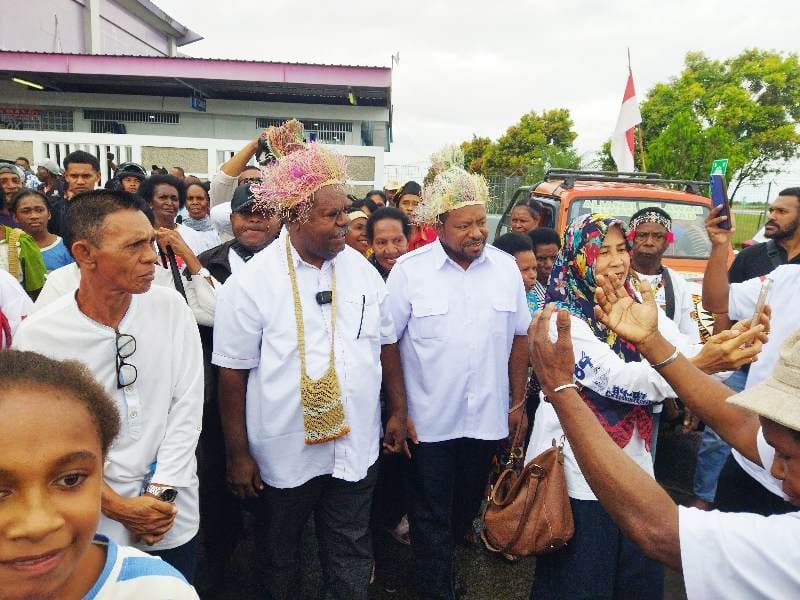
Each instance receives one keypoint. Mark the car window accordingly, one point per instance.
(688, 219)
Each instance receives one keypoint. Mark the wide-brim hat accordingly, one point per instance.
(777, 398)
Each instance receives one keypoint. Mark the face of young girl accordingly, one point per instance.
(50, 483)
(526, 263)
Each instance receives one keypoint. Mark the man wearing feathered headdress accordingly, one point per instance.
(461, 316)
(302, 335)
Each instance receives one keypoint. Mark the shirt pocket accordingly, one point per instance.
(428, 320)
(503, 311)
(360, 316)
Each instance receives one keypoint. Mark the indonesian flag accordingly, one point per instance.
(629, 117)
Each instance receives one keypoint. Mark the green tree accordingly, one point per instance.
(475, 153)
(533, 143)
(745, 109)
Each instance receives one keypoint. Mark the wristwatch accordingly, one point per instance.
(162, 492)
(203, 273)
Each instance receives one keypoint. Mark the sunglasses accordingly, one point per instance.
(126, 372)
(250, 180)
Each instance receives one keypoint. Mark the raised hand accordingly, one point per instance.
(619, 312)
(717, 234)
(171, 237)
(554, 364)
(731, 349)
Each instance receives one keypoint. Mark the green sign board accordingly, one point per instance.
(719, 166)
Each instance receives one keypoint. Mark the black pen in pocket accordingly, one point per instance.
(361, 322)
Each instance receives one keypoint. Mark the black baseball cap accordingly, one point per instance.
(242, 200)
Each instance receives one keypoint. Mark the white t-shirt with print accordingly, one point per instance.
(599, 368)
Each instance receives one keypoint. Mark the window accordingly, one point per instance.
(688, 220)
(132, 116)
(19, 117)
(329, 132)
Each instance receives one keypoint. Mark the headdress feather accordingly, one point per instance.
(299, 171)
(452, 187)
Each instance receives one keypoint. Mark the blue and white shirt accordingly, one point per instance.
(130, 574)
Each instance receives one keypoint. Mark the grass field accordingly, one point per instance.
(747, 224)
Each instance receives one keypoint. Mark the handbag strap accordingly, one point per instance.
(669, 293)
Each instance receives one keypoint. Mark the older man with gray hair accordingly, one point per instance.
(142, 345)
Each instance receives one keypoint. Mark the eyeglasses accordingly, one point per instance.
(126, 372)
(250, 180)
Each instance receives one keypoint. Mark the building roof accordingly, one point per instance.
(150, 13)
(212, 78)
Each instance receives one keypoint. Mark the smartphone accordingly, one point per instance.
(719, 197)
(762, 300)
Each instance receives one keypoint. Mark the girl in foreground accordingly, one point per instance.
(56, 424)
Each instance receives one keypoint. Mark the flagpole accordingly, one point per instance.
(639, 127)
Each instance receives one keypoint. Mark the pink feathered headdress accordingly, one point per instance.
(299, 171)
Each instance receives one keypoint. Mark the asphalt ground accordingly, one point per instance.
(481, 575)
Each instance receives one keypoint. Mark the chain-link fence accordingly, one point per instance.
(502, 190)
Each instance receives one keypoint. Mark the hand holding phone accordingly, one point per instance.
(762, 300)
(719, 197)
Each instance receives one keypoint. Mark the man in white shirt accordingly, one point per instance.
(651, 230)
(150, 499)
(738, 301)
(302, 332)
(233, 173)
(461, 315)
(722, 555)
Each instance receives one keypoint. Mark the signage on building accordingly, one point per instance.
(198, 103)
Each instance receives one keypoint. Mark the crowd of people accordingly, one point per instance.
(184, 360)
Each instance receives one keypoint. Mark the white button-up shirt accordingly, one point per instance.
(456, 328)
(255, 329)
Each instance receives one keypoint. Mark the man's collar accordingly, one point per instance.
(298, 260)
(441, 258)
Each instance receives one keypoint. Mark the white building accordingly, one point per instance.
(105, 76)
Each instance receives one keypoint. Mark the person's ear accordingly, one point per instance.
(83, 252)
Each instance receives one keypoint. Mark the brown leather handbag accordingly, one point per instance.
(527, 510)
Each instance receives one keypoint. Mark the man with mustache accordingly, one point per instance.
(303, 337)
(461, 315)
(781, 248)
(783, 240)
(738, 489)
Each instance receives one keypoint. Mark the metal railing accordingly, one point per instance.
(128, 147)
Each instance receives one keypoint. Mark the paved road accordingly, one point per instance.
(483, 576)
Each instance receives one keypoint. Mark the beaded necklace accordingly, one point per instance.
(323, 412)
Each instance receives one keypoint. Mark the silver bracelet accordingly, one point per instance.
(667, 361)
(565, 386)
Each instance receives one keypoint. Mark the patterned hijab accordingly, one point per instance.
(572, 286)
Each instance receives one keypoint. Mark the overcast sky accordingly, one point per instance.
(469, 66)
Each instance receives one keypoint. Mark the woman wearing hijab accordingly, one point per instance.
(621, 389)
